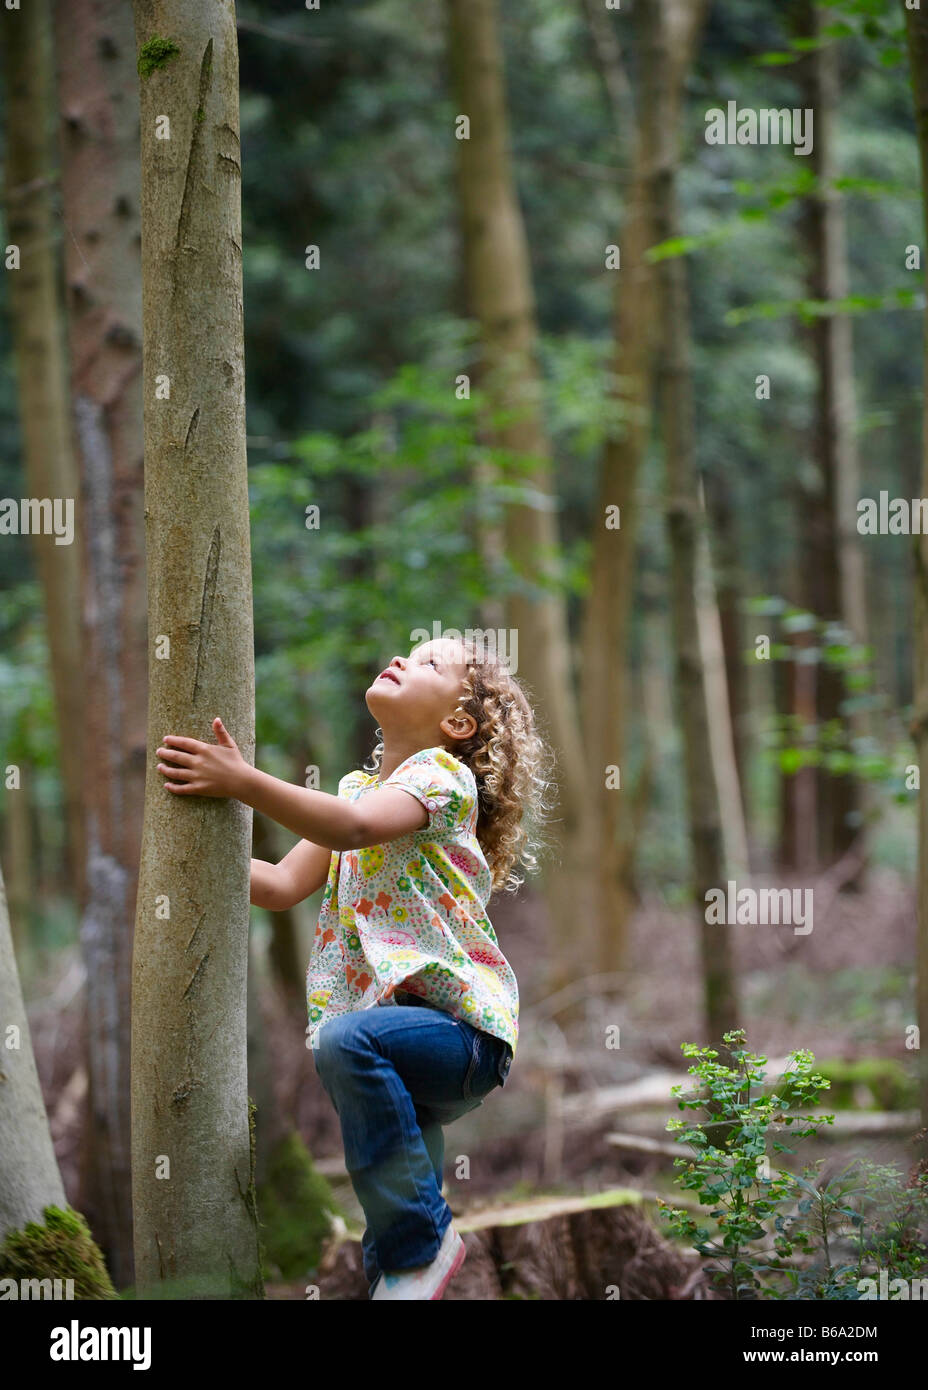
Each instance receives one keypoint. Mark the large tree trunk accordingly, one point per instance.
(98, 98)
(501, 299)
(680, 22)
(193, 1190)
(38, 349)
(917, 28)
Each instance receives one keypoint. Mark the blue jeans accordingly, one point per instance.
(395, 1075)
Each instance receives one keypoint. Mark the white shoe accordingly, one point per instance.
(425, 1281)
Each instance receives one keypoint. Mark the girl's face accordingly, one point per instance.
(417, 695)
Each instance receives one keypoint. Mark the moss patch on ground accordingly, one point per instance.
(884, 1079)
(61, 1247)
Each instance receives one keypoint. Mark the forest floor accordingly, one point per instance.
(845, 990)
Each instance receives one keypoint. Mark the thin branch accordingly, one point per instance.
(607, 55)
(578, 989)
(250, 26)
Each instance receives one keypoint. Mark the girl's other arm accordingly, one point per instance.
(303, 871)
(266, 885)
(299, 874)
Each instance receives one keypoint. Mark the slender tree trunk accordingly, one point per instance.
(356, 505)
(29, 1176)
(656, 688)
(502, 301)
(834, 579)
(39, 352)
(193, 1189)
(19, 842)
(41, 1237)
(796, 691)
(606, 52)
(917, 29)
(838, 398)
(605, 638)
(684, 519)
(718, 708)
(490, 539)
(604, 682)
(98, 98)
(729, 587)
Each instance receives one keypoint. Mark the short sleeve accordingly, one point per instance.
(352, 782)
(445, 786)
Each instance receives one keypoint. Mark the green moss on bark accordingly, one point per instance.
(250, 1200)
(250, 1286)
(61, 1247)
(154, 54)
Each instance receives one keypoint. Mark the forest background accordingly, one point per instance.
(585, 378)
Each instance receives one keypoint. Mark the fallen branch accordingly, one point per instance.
(650, 1090)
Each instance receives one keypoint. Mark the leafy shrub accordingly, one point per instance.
(778, 1234)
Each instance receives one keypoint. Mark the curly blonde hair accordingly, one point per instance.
(511, 765)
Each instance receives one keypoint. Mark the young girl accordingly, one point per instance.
(409, 854)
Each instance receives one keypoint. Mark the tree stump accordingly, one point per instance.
(597, 1247)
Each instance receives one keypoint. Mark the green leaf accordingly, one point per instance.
(770, 60)
(790, 761)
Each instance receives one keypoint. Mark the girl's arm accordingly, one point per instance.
(195, 768)
(330, 821)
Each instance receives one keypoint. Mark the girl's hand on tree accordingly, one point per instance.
(202, 769)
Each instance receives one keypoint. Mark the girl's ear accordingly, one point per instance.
(459, 725)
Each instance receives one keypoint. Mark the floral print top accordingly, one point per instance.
(410, 913)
